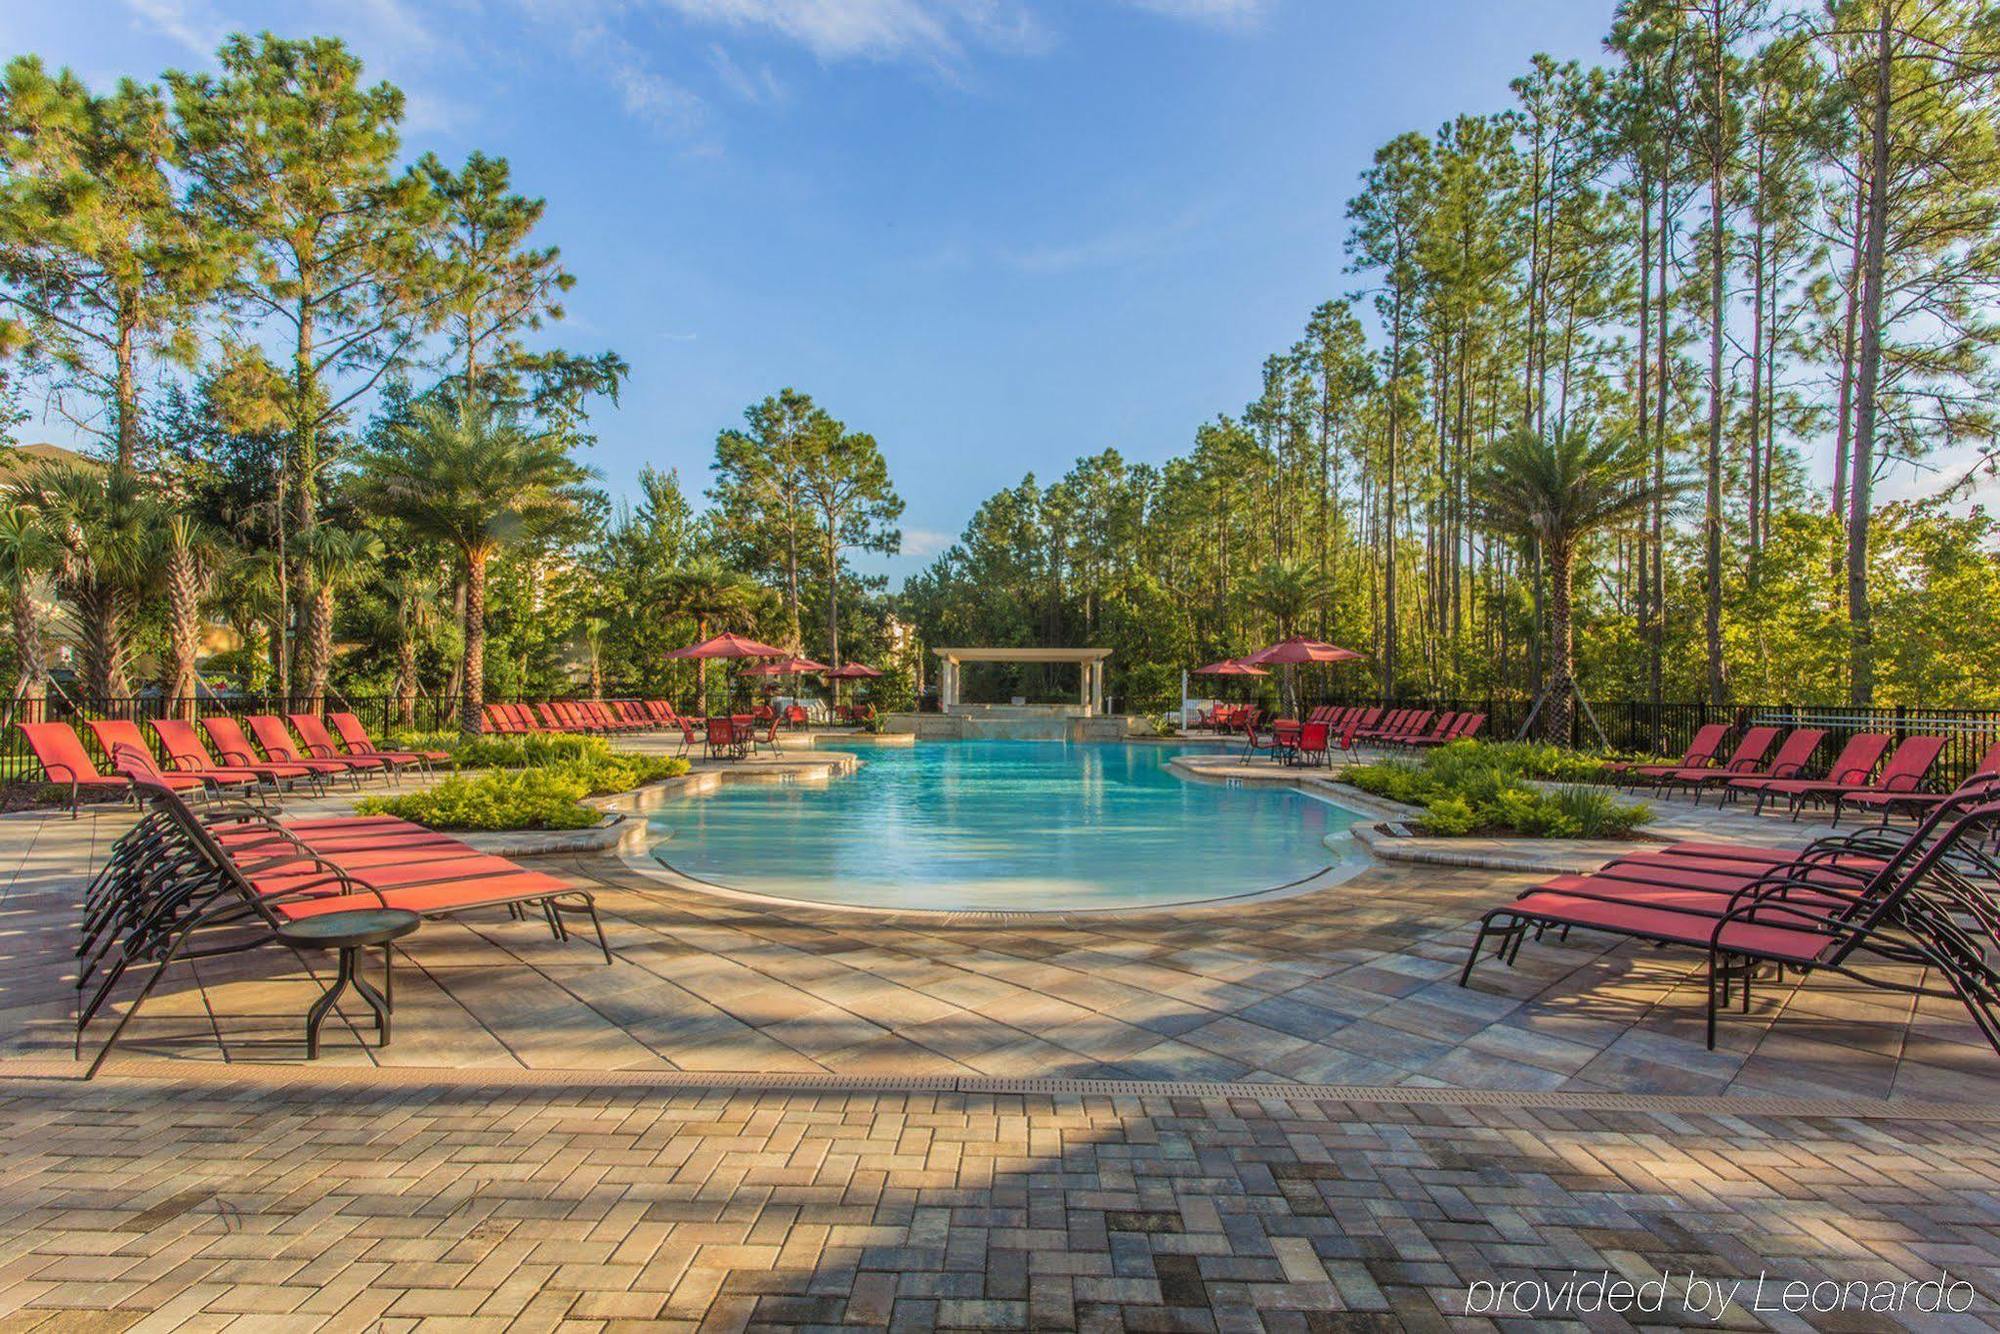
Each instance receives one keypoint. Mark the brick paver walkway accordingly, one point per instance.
(161, 1205)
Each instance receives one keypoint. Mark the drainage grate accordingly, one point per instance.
(243, 1076)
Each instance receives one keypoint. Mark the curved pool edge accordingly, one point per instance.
(641, 854)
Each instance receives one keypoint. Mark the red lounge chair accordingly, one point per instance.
(1905, 772)
(1700, 754)
(500, 721)
(355, 737)
(1850, 768)
(1920, 803)
(1801, 915)
(226, 735)
(186, 754)
(276, 741)
(66, 763)
(1743, 762)
(1465, 727)
(320, 745)
(131, 756)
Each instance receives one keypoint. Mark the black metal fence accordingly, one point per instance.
(1639, 726)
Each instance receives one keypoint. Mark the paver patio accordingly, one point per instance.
(790, 1116)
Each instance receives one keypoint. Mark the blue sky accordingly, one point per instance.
(995, 233)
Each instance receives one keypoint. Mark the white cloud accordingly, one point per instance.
(646, 94)
(195, 26)
(922, 543)
(937, 32)
(1121, 245)
(757, 86)
(1205, 11)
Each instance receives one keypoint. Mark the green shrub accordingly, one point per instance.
(546, 796)
(1472, 787)
(529, 799)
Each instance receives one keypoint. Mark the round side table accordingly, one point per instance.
(350, 933)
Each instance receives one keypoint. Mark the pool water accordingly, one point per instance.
(1002, 826)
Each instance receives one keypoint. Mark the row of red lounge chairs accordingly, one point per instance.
(1762, 766)
(1310, 741)
(227, 761)
(1917, 913)
(187, 884)
(721, 735)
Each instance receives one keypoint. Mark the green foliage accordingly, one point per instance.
(542, 796)
(1473, 787)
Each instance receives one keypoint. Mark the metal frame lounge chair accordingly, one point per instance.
(355, 736)
(1700, 754)
(65, 763)
(186, 754)
(130, 755)
(182, 885)
(1927, 903)
(320, 745)
(1850, 768)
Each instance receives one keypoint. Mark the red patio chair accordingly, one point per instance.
(65, 763)
(724, 740)
(186, 754)
(1743, 762)
(1312, 744)
(355, 737)
(1699, 754)
(320, 745)
(131, 756)
(1850, 768)
(1904, 772)
(269, 729)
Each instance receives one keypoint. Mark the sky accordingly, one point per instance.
(995, 234)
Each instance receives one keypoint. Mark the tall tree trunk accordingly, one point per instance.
(31, 660)
(832, 597)
(1559, 709)
(128, 383)
(183, 631)
(472, 709)
(1843, 434)
(405, 685)
(1717, 267)
(1860, 621)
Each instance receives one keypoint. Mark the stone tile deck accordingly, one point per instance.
(1356, 984)
(138, 1204)
(776, 1117)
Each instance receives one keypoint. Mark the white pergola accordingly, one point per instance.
(1091, 660)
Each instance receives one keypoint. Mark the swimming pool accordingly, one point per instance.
(1007, 826)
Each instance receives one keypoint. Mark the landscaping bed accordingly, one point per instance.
(1488, 789)
(544, 787)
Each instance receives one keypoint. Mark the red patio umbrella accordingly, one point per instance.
(1230, 667)
(1291, 652)
(853, 671)
(726, 645)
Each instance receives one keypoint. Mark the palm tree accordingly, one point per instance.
(107, 529)
(471, 479)
(412, 596)
(1555, 494)
(593, 640)
(716, 597)
(193, 558)
(1287, 591)
(335, 558)
(26, 557)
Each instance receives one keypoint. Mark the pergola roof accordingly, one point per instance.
(1023, 654)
